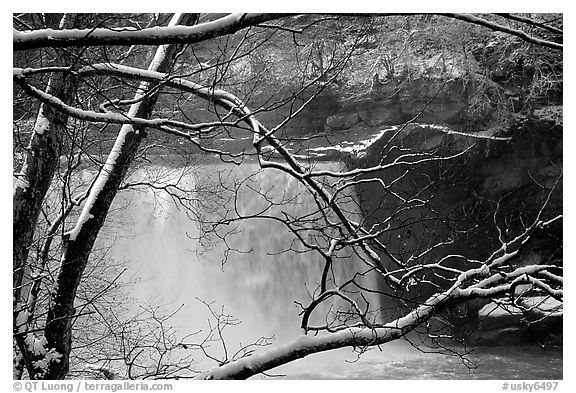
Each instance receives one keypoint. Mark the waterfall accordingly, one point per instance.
(260, 281)
(260, 286)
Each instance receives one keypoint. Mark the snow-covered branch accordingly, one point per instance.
(309, 344)
(229, 24)
(498, 27)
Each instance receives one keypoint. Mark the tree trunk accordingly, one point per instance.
(78, 243)
(33, 181)
(35, 177)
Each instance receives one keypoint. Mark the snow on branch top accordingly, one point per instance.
(229, 24)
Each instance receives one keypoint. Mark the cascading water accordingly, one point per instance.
(258, 285)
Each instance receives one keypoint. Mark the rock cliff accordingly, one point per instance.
(511, 168)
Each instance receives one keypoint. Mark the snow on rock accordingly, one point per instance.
(358, 148)
(546, 304)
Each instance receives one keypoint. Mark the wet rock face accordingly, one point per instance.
(518, 171)
(395, 102)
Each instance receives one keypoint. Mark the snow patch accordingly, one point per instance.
(20, 184)
(36, 345)
(51, 356)
(485, 134)
(84, 216)
(359, 148)
(42, 124)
